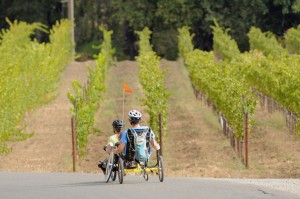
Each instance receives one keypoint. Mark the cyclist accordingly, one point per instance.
(135, 118)
(113, 140)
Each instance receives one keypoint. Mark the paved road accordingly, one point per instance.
(86, 186)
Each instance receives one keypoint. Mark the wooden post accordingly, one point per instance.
(73, 143)
(160, 135)
(246, 140)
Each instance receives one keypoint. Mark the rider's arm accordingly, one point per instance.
(120, 148)
(123, 142)
(153, 142)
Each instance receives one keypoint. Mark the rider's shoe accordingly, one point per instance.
(102, 166)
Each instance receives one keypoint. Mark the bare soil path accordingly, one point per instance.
(194, 147)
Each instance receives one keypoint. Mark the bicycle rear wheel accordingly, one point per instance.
(161, 168)
(145, 175)
(121, 170)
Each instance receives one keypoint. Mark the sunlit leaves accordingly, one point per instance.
(265, 42)
(219, 81)
(29, 70)
(292, 40)
(224, 46)
(185, 41)
(152, 80)
(86, 99)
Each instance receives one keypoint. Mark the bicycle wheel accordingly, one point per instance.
(160, 168)
(121, 170)
(145, 175)
(109, 166)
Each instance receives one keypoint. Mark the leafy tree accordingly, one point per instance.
(237, 15)
(282, 14)
(125, 17)
(30, 11)
(169, 16)
(163, 17)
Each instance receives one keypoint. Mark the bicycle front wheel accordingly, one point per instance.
(109, 167)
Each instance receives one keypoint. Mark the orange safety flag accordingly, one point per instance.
(127, 89)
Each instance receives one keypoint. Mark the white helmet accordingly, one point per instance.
(134, 116)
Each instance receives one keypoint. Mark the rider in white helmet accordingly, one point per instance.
(135, 118)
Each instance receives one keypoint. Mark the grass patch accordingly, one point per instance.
(68, 161)
(211, 119)
(110, 107)
(235, 164)
(96, 130)
(274, 120)
(224, 144)
(15, 136)
(4, 149)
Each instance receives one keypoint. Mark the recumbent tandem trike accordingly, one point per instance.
(131, 162)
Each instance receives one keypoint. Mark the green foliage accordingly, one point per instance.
(177, 13)
(88, 50)
(185, 41)
(4, 149)
(288, 6)
(123, 17)
(292, 40)
(86, 99)
(277, 77)
(29, 71)
(277, 73)
(224, 46)
(137, 14)
(152, 80)
(220, 85)
(296, 6)
(265, 42)
(165, 44)
(144, 41)
(43, 11)
(106, 47)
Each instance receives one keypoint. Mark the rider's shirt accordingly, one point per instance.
(113, 139)
(124, 135)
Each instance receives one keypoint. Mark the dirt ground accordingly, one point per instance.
(194, 145)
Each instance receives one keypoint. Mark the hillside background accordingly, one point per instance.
(195, 145)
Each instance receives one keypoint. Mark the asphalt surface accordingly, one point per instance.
(81, 185)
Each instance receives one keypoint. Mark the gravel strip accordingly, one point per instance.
(287, 185)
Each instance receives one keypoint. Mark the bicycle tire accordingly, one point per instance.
(160, 168)
(121, 170)
(109, 166)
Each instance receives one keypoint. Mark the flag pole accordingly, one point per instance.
(123, 103)
(126, 89)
